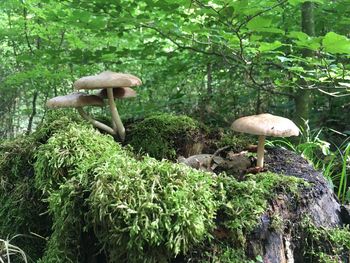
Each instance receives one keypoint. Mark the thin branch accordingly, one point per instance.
(26, 29)
(260, 13)
(181, 46)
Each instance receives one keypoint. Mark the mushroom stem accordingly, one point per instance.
(95, 123)
(115, 116)
(261, 144)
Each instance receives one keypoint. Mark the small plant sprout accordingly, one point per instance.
(110, 80)
(78, 100)
(265, 125)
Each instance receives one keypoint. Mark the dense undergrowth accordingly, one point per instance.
(79, 196)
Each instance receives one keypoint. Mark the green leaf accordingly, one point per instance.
(265, 46)
(336, 44)
(258, 22)
(270, 30)
(296, 2)
(298, 35)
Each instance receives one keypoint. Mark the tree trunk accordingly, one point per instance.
(302, 97)
(31, 117)
(316, 202)
(205, 102)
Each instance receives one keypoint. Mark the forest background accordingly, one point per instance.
(213, 60)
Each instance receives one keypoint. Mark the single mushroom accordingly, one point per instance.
(78, 100)
(109, 80)
(265, 125)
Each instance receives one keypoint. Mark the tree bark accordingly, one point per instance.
(302, 97)
(317, 202)
(31, 117)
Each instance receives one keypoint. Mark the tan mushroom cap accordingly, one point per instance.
(74, 100)
(118, 93)
(266, 124)
(107, 79)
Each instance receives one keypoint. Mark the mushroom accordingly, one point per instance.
(265, 125)
(109, 80)
(118, 93)
(78, 100)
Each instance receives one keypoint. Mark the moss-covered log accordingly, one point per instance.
(92, 200)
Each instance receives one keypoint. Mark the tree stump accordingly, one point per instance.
(317, 202)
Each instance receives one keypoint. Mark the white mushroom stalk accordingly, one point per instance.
(260, 153)
(79, 100)
(110, 80)
(116, 121)
(94, 122)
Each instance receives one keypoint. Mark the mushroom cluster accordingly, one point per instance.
(265, 125)
(110, 85)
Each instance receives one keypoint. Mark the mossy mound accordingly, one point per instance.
(23, 212)
(20, 203)
(241, 205)
(235, 141)
(101, 204)
(140, 211)
(166, 136)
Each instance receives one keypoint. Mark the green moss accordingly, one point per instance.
(277, 223)
(16, 157)
(59, 159)
(164, 135)
(23, 212)
(141, 211)
(20, 202)
(219, 252)
(154, 209)
(66, 206)
(243, 202)
(137, 210)
(237, 142)
(55, 121)
(322, 244)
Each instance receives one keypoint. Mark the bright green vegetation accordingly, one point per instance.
(242, 203)
(23, 211)
(91, 198)
(325, 245)
(131, 205)
(332, 159)
(164, 135)
(236, 142)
